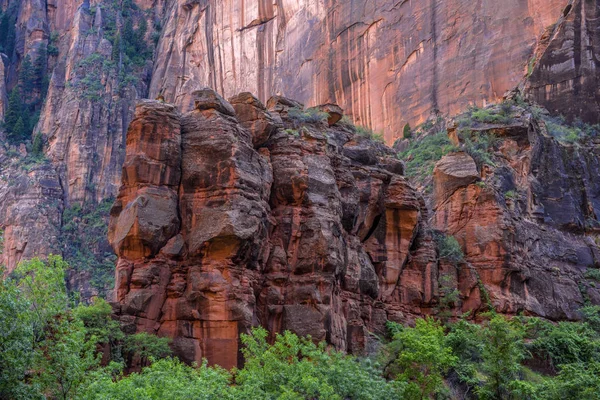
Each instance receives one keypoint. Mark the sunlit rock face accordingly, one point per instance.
(386, 63)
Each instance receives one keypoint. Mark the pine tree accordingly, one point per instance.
(39, 67)
(17, 134)
(27, 78)
(37, 148)
(14, 109)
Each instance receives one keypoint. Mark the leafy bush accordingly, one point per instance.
(476, 116)
(147, 347)
(565, 132)
(592, 273)
(478, 145)
(566, 343)
(511, 194)
(296, 368)
(420, 358)
(167, 379)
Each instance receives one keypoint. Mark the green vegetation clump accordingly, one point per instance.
(368, 133)
(571, 133)
(511, 194)
(449, 249)
(26, 98)
(421, 155)
(478, 145)
(84, 243)
(308, 116)
(48, 349)
(407, 132)
(501, 114)
(593, 274)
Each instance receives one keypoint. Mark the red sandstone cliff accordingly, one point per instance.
(230, 216)
(225, 220)
(387, 64)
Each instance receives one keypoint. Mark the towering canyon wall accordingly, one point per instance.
(386, 63)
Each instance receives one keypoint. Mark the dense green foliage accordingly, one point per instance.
(48, 349)
(26, 98)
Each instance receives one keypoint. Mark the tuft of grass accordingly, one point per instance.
(310, 116)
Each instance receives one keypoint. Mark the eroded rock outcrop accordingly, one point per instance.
(316, 230)
(294, 234)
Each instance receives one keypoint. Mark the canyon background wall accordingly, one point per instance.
(387, 63)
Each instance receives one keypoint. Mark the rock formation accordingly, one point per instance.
(273, 217)
(387, 64)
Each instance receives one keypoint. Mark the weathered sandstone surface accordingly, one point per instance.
(386, 63)
(232, 215)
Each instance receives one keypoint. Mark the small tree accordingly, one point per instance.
(421, 358)
(27, 77)
(18, 132)
(502, 354)
(64, 358)
(37, 148)
(407, 132)
(14, 109)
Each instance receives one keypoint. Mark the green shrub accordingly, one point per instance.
(421, 155)
(147, 347)
(448, 248)
(478, 145)
(407, 132)
(420, 358)
(511, 194)
(309, 116)
(593, 274)
(566, 343)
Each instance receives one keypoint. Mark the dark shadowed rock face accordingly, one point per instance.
(565, 70)
(224, 222)
(529, 227)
